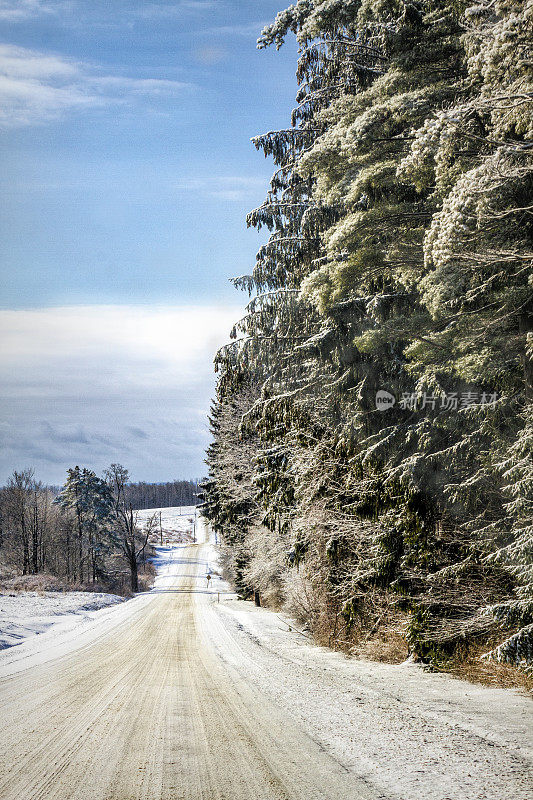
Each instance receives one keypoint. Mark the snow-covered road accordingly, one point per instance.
(175, 696)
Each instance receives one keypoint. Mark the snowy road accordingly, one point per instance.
(140, 707)
(173, 696)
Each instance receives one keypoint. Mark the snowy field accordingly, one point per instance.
(26, 614)
(176, 524)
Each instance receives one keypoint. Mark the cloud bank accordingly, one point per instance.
(91, 385)
(36, 87)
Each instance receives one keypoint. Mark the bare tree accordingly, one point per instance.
(17, 503)
(126, 533)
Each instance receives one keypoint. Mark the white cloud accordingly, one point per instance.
(20, 63)
(36, 87)
(230, 188)
(151, 86)
(252, 29)
(174, 9)
(96, 384)
(20, 10)
(76, 12)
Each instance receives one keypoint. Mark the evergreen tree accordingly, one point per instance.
(477, 157)
(398, 259)
(90, 499)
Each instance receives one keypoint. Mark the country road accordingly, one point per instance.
(174, 696)
(145, 710)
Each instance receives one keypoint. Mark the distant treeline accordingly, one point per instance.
(162, 495)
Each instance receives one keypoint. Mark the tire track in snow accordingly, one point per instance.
(145, 710)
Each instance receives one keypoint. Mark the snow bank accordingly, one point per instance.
(27, 614)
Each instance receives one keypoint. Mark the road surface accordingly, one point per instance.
(142, 707)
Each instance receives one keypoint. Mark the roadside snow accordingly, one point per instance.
(26, 614)
(409, 734)
(414, 735)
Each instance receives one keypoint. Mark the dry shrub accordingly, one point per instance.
(42, 582)
(117, 583)
(147, 573)
(226, 559)
(302, 598)
(267, 565)
(385, 640)
(7, 571)
(466, 663)
(377, 633)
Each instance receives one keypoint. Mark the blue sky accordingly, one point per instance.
(127, 173)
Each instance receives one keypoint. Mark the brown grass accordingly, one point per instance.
(388, 647)
(467, 665)
(385, 642)
(34, 583)
(146, 576)
(117, 583)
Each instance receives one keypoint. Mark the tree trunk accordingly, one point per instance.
(35, 543)
(134, 575)
(257, 598)
(68, 555)
(26, 561)
(80, 555)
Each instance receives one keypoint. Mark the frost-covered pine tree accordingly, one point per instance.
(89, 498)
(477, 157)
(398, 259)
